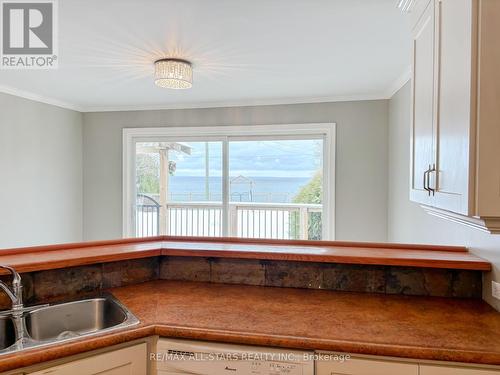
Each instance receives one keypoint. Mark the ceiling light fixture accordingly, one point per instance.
(173, 74)
(406, 6)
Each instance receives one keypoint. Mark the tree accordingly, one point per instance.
(148, 174)
(312, 193)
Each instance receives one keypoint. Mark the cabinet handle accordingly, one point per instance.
(426, 180)
(431, 169)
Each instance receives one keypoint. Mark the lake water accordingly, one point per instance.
(262, 189)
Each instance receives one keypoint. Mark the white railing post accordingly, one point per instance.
(304, 223)
(166, 228)
(197, 217)
(233, 220)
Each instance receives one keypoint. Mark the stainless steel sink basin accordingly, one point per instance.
(74, 319)
(42, 325)
(7, 332)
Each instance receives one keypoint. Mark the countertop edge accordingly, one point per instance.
(37, 259)
(35, 356)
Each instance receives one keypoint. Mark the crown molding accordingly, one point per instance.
(398, 83)
(241, 103)
(386, 94)
(39, 98)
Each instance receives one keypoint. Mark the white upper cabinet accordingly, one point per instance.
(455, 157)
(453, 106)
(423, 104)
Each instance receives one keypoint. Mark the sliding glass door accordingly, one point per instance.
(252, 186)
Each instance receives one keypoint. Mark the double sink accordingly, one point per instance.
(60, 322)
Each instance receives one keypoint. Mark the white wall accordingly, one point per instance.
(361, 164)
(40, 173)
(407, 222)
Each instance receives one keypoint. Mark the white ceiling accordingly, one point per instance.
(244, 52)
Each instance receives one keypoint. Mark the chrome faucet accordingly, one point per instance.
(16, 293)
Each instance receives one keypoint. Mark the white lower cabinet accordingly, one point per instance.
(447, 370)
(358, 366)
(376, 366)
(127, 361)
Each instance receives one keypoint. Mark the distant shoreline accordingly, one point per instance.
(260, 189)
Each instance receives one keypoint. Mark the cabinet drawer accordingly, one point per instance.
(127, 361)
(358, 366)
(446, 370)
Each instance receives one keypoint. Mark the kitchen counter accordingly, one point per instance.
(40, 258)
(409, 327)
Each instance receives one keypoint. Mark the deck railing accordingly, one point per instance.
(147, 216)
(275, 220)
(194, 219)
(246, 219)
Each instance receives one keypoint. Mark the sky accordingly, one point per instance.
(284, 158)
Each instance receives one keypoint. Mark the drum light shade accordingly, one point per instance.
(173, 74)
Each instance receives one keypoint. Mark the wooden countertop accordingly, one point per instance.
(409, 327)
(60, 256)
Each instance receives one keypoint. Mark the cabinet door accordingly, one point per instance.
(454, 119)
(423, 105)
(416, 13)
(128, 361)
(445, 370)
(355, 366)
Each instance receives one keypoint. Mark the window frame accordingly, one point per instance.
(224, 134)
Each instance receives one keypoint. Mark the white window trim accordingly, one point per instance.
(326, 130)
